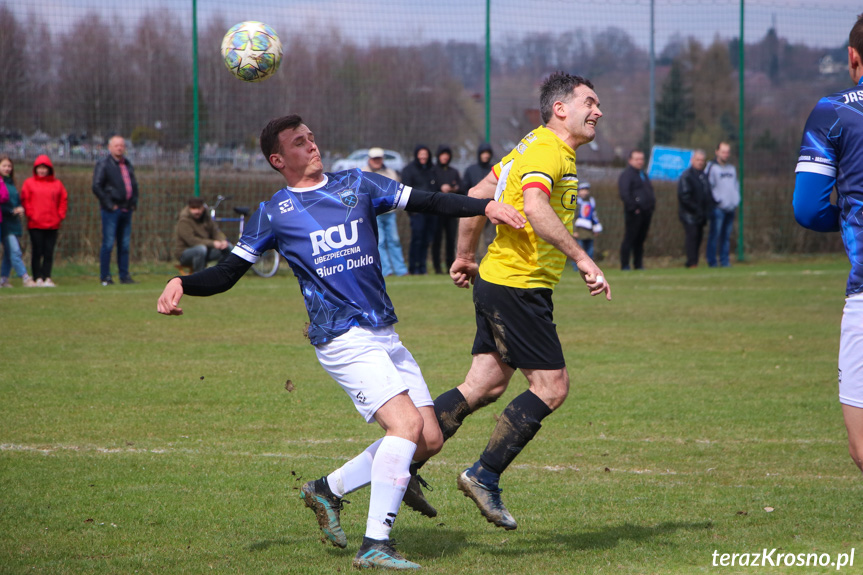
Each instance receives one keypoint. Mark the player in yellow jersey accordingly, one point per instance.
(513, 287)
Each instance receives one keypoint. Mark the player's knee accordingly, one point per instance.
(487, 398)
(555, 400)
(492, 394)
(408, 426)
(856, 452)
(413, 424)
(433, 439)
(554, 391)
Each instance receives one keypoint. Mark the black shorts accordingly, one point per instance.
(517, 324)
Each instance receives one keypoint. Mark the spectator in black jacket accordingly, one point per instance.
(638, 198)
(420, 173)
(115, 185)
(447, 181)
(694, 205)
(473, 175)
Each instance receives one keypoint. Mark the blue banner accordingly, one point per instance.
(668, 163)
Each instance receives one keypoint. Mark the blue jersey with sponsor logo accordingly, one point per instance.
(832, 149)
(328, 234)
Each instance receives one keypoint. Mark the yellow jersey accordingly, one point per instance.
(520, 258)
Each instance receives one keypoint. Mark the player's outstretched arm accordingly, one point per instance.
(548, 226)
(170, 298)
(207, 282)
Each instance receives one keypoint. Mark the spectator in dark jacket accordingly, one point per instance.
(476, 172)
(638, 198)
(447, 181)
(694, 205)
(474, 175)
(115, 185)
(420, 173)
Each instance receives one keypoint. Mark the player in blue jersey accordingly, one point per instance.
(831, 155)
(324, 225)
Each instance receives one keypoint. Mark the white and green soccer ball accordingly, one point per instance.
(252, 51)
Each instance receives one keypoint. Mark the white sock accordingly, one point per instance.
(390, 476)
(354, 474)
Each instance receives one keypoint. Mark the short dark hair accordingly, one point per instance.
(270, 133)
(855, 38)
(558, 88)
(634, 151)
(194, 202)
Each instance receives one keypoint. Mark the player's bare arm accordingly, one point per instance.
(464, 267)
(548, 226)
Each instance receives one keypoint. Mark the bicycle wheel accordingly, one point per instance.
(267, 265)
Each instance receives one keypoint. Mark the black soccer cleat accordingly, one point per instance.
(415, 498)
(488, 500)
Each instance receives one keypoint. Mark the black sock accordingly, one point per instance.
(324, 486)
(451, 409)
(517, 425)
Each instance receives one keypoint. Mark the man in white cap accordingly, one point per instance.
(389, 245)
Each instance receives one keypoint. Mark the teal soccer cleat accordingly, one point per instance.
(318, 497)
(375, 554)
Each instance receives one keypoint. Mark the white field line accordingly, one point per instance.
(437, 461)
(171, 448)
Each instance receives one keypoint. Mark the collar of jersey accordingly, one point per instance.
(309, 189)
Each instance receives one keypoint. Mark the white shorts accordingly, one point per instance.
(373, 366)
(851, 353)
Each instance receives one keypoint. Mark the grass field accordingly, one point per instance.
(702, 418)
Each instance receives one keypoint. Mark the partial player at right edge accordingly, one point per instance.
(831, 155)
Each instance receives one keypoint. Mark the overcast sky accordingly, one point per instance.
(814, 22)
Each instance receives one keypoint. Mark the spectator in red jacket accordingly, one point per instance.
(44, 199)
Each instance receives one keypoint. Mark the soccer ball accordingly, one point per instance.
(252, 51)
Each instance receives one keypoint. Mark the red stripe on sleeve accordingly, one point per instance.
(540, 186)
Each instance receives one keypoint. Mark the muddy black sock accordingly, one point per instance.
(451, 409)
(517, 425)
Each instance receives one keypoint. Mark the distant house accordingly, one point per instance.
(829, 65)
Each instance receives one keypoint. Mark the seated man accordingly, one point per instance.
(197, 238)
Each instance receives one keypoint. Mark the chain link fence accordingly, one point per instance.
(400, 73)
